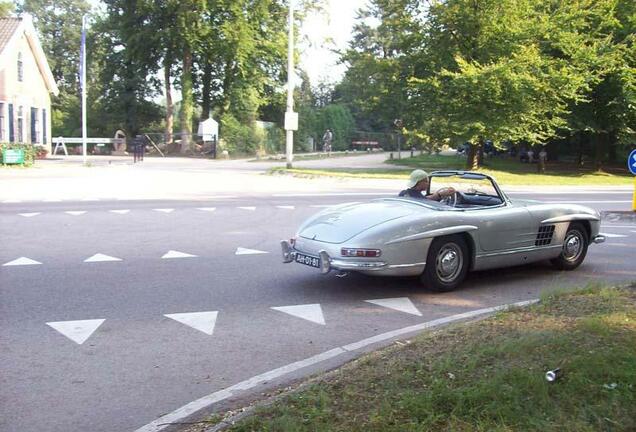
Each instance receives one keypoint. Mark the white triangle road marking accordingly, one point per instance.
(402, 304)
(120, 211)
(248, 208)
(77, 331)
(610, 235)
(245, 251)
(309, 312)
(286, 207)
(101, 258)
(177, 254)
(29, 214)
(75, 212)
(207, 209)
(164, 210)
(202, 321)
(22, 261)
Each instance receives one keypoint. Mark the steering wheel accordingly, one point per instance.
(450, 200)
(454, 199)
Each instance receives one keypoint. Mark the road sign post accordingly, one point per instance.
(631, 164)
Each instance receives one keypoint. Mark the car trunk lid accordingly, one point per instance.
(343, 223)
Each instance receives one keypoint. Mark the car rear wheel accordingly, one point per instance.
(446, 264)
(574, 248)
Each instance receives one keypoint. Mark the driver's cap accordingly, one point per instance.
(416, 177)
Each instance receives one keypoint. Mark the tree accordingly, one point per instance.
(6, 9)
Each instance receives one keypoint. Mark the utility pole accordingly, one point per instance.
(291, 118)
(83, 85)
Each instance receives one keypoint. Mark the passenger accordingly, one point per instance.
(418, 185)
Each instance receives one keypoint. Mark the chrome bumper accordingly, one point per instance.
(328, 263)
(599, 239)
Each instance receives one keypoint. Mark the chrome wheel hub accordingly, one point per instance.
(448, 262)
(573, 246)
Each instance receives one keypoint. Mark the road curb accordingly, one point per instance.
(179, 415)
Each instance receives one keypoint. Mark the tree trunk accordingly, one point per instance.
(472, 160)
(600, 145)
(186, 100)
(167, 66)
(207, 88)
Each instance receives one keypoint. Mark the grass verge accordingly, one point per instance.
(485, 376)
(506, 171)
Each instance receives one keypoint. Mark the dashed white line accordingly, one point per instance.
(28, 215)
(101, 258)
(75, 212)
(248, 208)
(22, 261)
(207, 209)
(164, 210)
(286, 207)
(245, 251)
(124, 211)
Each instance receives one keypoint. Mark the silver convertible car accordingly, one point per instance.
(478, 227)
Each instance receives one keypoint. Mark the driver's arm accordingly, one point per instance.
(442, 193)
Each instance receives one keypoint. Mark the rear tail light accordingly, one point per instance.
(364, 253)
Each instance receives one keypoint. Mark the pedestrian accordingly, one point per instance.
(530, 155)
(327, 139)
(543, 158)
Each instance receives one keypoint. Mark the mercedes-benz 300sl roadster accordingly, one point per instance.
(477, 227)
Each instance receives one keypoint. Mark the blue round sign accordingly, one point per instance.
(631, 162)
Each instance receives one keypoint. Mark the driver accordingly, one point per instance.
(418, 185)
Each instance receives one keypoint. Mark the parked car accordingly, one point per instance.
(479, 227)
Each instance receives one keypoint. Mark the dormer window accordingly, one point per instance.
(20, 68)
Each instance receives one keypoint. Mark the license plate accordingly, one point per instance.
(308, 260)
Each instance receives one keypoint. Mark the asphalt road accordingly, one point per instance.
(138, 364)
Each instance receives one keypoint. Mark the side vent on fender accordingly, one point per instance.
(544, 237)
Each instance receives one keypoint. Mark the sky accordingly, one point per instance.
(316, 53)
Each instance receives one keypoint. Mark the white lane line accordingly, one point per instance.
(610, 226)
(207, 209)
(75, 212)
(610, 235)
(634, 231)
(286, 207)
(202, 321)
(335, 194)
(586, 202)
(187, 410)
(22, 261)
(77, 331)
(309, 312)
(28, 215)
(164, 210)
(124, 211)
(101, 258)
(402, 304)
(11, 201)
(52, 200)
(245, 251)
(176, 254)
(248, 208)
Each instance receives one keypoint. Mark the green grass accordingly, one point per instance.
(506, 171)
(485, 376)
(311, 156)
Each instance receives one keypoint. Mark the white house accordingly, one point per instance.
(26, 85)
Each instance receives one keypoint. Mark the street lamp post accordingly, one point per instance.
(291, 118)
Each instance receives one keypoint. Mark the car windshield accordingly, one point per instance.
(465, 183)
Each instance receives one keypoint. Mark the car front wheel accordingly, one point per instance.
(446, 264)
(574, 248)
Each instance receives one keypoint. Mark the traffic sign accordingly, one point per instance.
(631, 162)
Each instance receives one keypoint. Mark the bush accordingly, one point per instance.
(29, 151)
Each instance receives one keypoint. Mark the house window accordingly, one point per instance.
(35, 126)
(20, 130)
(20, 68)
(3, 137)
